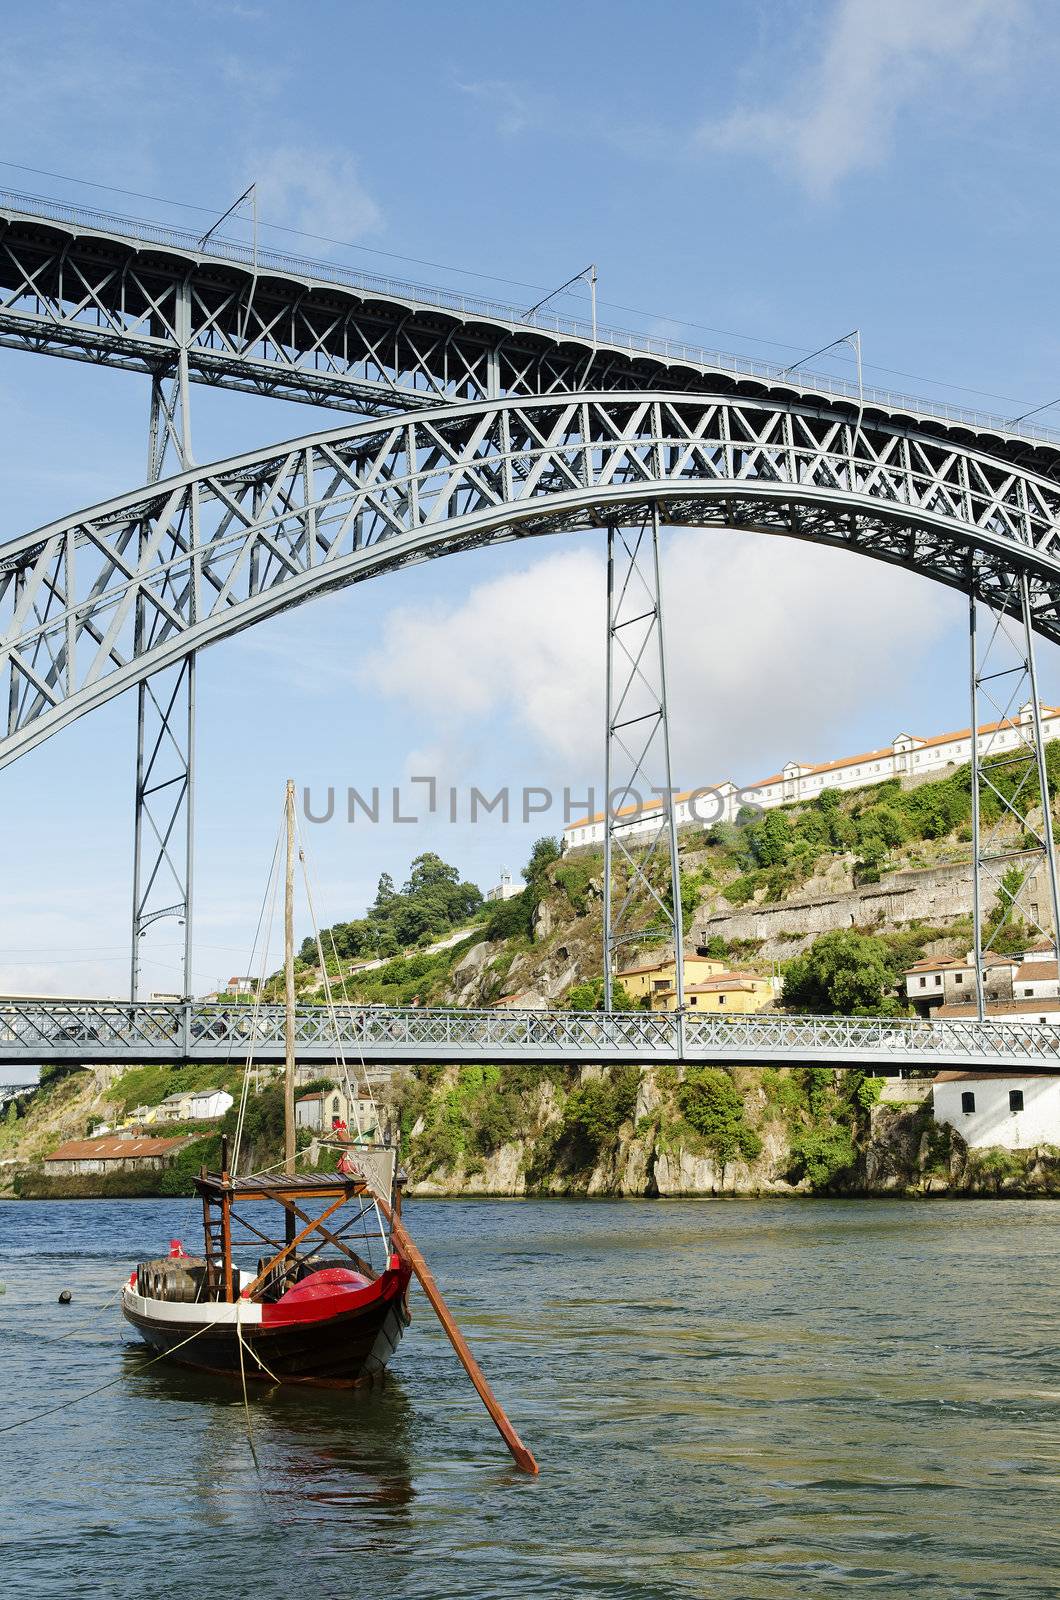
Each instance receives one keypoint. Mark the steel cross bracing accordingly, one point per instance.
(1014, 889)
(164, 796)
(106, 289)
(642, 874)
(114, 1031)
(98, 601)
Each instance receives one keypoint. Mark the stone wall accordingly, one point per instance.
(936, 895)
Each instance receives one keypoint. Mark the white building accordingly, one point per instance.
(1018, 1112)
(193, 1105)
(506, 889)
(329, 1109)
(1024, 984)
(241, 986)
(909, 756)
(1035, 979)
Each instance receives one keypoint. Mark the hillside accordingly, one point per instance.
(841, 893)
(891, 863)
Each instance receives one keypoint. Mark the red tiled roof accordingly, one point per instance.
(115, 1148)
(1037, 972)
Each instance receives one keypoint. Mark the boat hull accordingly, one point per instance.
(342, 1346)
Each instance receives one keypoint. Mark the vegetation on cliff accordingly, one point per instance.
(513, 1130)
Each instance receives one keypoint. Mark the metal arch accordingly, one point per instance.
(215, 549)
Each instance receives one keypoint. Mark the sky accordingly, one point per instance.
(759, 178)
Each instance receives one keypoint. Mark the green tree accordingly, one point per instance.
(589, 996)
(843, 973)
(385, 893)
(711, 1104)
(427, 872)
(545, 851)
(595, 1112)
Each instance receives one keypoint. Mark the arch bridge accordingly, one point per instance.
(483, 426)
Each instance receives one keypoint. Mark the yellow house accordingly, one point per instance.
(729, 992)
(657, 976)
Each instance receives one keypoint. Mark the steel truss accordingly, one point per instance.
(642, 874)
(1014, 861)
(109, 1031)
(95, 287)
(164, 796)
(96, 602)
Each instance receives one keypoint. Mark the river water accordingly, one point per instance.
(732, 1399)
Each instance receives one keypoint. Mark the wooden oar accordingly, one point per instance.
(521, 1455)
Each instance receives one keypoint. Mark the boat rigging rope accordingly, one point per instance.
(272, 883)
(329, 999)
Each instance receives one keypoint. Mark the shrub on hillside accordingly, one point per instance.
(713, 1107)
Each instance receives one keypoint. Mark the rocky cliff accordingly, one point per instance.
(706, 1131)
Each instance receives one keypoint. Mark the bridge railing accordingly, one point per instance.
(39, 1030)
(547, 320)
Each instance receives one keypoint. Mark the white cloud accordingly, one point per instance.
(315, 189)
(756, 630)
(515, 111)
(879, 55)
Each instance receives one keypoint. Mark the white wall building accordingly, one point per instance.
(332, 1108)
(506, 889)
(909, 756)
(1018, 1112)
(193, 1105)
(1035, 980)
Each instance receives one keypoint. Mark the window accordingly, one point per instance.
(923, 983)
(967, 1102)
(1029, 993)
(938, 980)
(1015, 1099)
(721, 999)
(958, 977)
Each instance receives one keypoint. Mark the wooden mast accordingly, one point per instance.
(288, 996)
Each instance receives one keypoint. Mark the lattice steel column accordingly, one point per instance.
(1014, 860)
(163, 827)
(642, 875)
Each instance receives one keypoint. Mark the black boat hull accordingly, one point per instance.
(345, 1351)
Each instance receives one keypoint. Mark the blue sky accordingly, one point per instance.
(760, 177)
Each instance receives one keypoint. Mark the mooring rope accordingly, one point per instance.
(87, 1394)
(57, 1338)
(243, 1379)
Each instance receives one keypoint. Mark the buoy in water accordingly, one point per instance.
(65, 1297)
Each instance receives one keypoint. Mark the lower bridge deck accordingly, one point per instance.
(43, 1032)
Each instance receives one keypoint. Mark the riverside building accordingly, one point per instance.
(909, 756)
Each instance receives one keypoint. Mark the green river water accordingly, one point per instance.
(732, 1400)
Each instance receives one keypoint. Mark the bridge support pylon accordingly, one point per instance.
(164, 815)
(1014, 878)
(642, 874)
